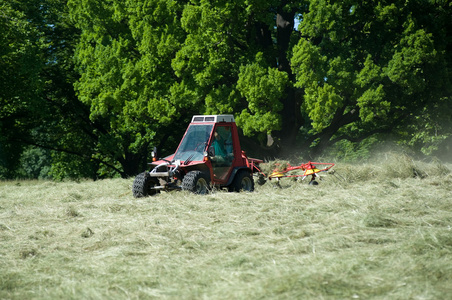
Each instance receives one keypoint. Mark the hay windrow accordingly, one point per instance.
(391, 166)
(274, 165)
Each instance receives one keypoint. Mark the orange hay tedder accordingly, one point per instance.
(309, 168)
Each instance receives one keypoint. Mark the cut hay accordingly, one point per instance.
(372, 238)
(274, 165)
(391, 166)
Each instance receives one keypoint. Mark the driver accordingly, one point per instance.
(218, 146)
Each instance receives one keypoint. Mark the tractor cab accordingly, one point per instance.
(212, 140)
(209, 155)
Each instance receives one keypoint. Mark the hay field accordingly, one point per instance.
(370, 231)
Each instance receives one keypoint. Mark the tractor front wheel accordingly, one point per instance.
(196, 182)
(243, 181)
(142, 185)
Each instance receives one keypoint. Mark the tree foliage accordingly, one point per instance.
(19, 80)
(372, 67)
(94, 84)
(39, 106)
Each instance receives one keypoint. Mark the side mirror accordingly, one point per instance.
(154, 154)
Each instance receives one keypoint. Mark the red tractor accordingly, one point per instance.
(209, 155)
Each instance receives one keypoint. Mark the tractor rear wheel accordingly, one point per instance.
(142, 185)
(196, 182)
(243, 181)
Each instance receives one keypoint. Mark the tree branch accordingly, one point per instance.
(57, 149)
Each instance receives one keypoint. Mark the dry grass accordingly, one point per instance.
(363, 233)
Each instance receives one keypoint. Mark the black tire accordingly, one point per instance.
(243, 181)
(261, 179)
(142, 185)
(196, 182)
(313, 182)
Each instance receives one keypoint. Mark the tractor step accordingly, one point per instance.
(159, 174)
(167, 187)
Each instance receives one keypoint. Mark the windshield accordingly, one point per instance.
(194, 143)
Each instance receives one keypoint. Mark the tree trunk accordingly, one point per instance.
(132, 163)
(340, 119)
(291, 112)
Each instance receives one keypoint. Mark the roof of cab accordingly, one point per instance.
(212, 118)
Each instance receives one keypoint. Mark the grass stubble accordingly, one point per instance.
(371, 231)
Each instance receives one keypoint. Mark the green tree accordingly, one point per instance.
(39, 108)
(19, 81)
(235, 57)
(147, 66)
(124, 58)
(350, 71)
(372, 67)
